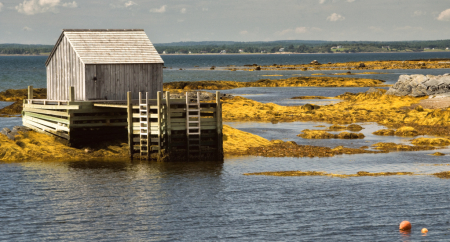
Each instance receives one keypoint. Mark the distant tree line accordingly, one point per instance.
(17, 49)
(295, 46)
(299, 46)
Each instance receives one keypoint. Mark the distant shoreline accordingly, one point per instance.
(293, 53)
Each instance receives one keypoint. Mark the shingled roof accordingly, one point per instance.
(110, 46)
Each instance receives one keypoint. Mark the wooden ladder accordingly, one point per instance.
(145, 128)
(193, 124)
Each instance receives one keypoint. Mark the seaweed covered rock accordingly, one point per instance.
(385, 132)
(431, 141)
(321, 134)
(316, 134)
(406, 131)
(420, 85)
(354, 127)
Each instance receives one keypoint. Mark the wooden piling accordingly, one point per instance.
(130, 123)
(159, 105)
(168, 122)
(30, 92)
(219, 125)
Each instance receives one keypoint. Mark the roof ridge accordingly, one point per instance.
(100, 30)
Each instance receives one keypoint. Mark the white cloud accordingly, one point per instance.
(183, 10)
(444, 15)
(31, 7)
(419, 13)
(27, 28)
(243, 32)
(409, 28)
(159, 10)
(376, 29)
(180, 20)
(335, 17)
(204, 9)
(301, 30)
(1, 6)
(298, 30)
(322, 1)
(129, 4)
(70, 5)
(350, 1)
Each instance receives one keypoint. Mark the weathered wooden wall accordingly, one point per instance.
(65, 69)
(115, 80)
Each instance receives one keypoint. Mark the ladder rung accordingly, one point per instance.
(194, 121)
(193, 133)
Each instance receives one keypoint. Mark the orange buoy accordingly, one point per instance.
(405, 225)
(424, 230)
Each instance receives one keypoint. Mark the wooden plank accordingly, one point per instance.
(46, 117)
(130, 123)
(56, 127)
(110, 105)
(43, 111)
(112, 77)
(90, 72)
(44, 130)
(52, 107)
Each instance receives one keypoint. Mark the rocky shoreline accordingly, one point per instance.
(400, 112)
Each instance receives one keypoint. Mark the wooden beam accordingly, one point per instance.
(219, 126)
(168, 121)
(30, 92)
(111, 105)
(159, 102)
(130, 123)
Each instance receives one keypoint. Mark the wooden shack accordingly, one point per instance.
(107, 84)
(103, 64)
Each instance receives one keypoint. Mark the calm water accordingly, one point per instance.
(21, 71)
(197, 201)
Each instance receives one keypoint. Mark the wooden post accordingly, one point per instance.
(72, 94)
(130, 123)
(30, 92)
(219, 126)
(168, 122)
(158, 103)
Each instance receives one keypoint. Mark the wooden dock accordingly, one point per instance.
(166, 137)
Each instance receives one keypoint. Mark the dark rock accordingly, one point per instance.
(361, 65)
(310, 107)
(258, 68)
(21, 128)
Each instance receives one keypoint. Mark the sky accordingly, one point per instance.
(165, 21)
